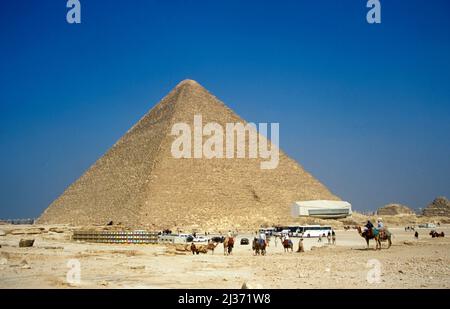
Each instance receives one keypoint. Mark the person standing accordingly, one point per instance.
(329, 237)
(301, 248)
(333, 236)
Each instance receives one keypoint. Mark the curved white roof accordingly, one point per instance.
(324, 204)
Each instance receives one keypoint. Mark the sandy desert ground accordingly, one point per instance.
(409, 263)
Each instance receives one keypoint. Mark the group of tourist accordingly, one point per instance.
(263, 238)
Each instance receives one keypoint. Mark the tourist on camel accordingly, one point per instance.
(262, 238)
(368, 225)
(380, 224)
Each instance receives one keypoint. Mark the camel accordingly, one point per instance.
(381, 236)
(196, 249)
(211, 246)
(436, 234)
(228, 244)
(287, 244)
(259, 247)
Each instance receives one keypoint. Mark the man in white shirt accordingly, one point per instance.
(380, 224)
(262, 237)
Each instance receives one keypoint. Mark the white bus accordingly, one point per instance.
(315, 230)
(269, 231)
(304, 230)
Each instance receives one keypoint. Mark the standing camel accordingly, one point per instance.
(378, 237)
(228, 244)
(259, 246)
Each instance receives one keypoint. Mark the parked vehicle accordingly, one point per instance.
(286, 232)
(245, 241)
(269, 231)
(315, 230)
(427, 226)
(219, 239)
(187, 237)
(201, 239)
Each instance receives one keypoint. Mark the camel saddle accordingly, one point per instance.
(287, 242)
(375, 231)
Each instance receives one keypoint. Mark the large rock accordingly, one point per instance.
(440, 207)
(56, 230)
(394, 210)
(26, 243)
(2, 233)
(29, 231)
(251, 285)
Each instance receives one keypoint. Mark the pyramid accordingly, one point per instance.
(394, 210)
(140, 184)
(440, 207)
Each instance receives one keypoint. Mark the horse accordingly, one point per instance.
(287, 244)
(228, 245)
(377, 235)
(259, 246)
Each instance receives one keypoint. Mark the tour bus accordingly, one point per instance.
(268, 231)
(291, 230)
(305, 230)
(294, 230)
(315, 230)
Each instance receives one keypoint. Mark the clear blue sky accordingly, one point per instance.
(364, 108)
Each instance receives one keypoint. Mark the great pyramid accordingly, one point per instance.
(140, 184)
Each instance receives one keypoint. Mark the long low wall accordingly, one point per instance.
(117, 237)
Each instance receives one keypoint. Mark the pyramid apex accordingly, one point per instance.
(190, 82)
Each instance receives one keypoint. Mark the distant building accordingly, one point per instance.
(17, 221)
(321, 209)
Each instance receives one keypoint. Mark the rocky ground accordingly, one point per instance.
(409, 263)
